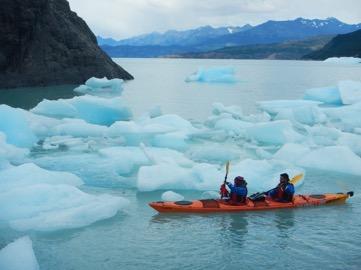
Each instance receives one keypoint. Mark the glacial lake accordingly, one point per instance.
(138, 238)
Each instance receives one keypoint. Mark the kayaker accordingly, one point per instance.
(238, 190)
(284, 191)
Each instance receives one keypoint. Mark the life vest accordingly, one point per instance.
(236, 199)
(280, 192)
(223, 191)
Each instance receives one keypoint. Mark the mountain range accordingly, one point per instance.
(207, 38)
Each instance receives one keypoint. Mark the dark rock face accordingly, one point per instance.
(342, 45)
(42, 42)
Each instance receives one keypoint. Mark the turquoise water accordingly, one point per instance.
(323, 238)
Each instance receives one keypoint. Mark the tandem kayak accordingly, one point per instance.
(210, 205)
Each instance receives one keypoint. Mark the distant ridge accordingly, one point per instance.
(207, 38)
(348, 45)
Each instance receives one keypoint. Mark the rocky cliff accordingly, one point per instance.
(347, 45)
(42, 42)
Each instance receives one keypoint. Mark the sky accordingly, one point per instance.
(126, 18)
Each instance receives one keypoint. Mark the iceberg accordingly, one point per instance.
(260, 175)
(96, 86)
(273, 107)
(32, 198)
(333, 158)
(330, 158)
(10, 153)
(213, 153)
(273, 133)
(234, 111)
(79, 128)
(345, 118)
(213, 75)
(16, 127)
(172, 196)
(94, 110)
(19, 255)
(328, 95)
(350, 92)
(343, 60)
(29, 173)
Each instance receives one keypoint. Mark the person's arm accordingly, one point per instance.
(231, 186)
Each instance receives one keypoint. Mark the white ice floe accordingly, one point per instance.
(32, 198)
(10, 153)
(330, 158)
(345, 118)
(302, 111)
(96, 86)
(274, 132)
(350, 91)
(29, 174)
(211, 152)
(18, 255)
(15, 126)
(213, 75)
(94, 110)
(328, 95)
(234, 111)
(343, 60)
(172, 196)
(260, 174)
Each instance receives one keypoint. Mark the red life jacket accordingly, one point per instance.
(280, 192)
(223, 191)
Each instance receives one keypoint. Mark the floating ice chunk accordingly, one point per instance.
(353, 141)
(213, 75)
(137, 157)
(329, 95)
(343, 60)
(275, 132)
(213, 153)
(15, 126)
(94, 110)
(47, 207)
(333, 158)
(30, 174)
(18, 255)
(174, 140)
(235, 111)
(322, 135)
(345, 118)
(350, 91)
(275, 106)
(232, 126)
(291, 152)
(100, 85)
(171, 176)
(172, 196)
(10, 153)
(260, 174)
(302, 111)
(79, 128)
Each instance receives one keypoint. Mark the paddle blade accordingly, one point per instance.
(227, 167)
(296, 178)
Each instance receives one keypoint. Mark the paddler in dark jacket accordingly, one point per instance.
(284, 191)
(238, 190)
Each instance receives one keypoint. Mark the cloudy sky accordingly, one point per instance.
(126, 18)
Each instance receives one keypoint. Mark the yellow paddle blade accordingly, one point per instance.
(227, 167)
(296, 178)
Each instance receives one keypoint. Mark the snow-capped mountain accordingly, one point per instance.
(174, 37)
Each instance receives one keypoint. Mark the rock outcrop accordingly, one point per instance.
(347, 45)
(44, 43)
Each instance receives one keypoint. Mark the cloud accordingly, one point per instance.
(125, 18)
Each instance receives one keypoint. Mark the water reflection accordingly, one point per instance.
(284, 221)
(234, 227)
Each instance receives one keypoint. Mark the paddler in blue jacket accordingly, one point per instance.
(238, 190)
(284, 191)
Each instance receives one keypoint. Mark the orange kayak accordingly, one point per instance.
(210, 205)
